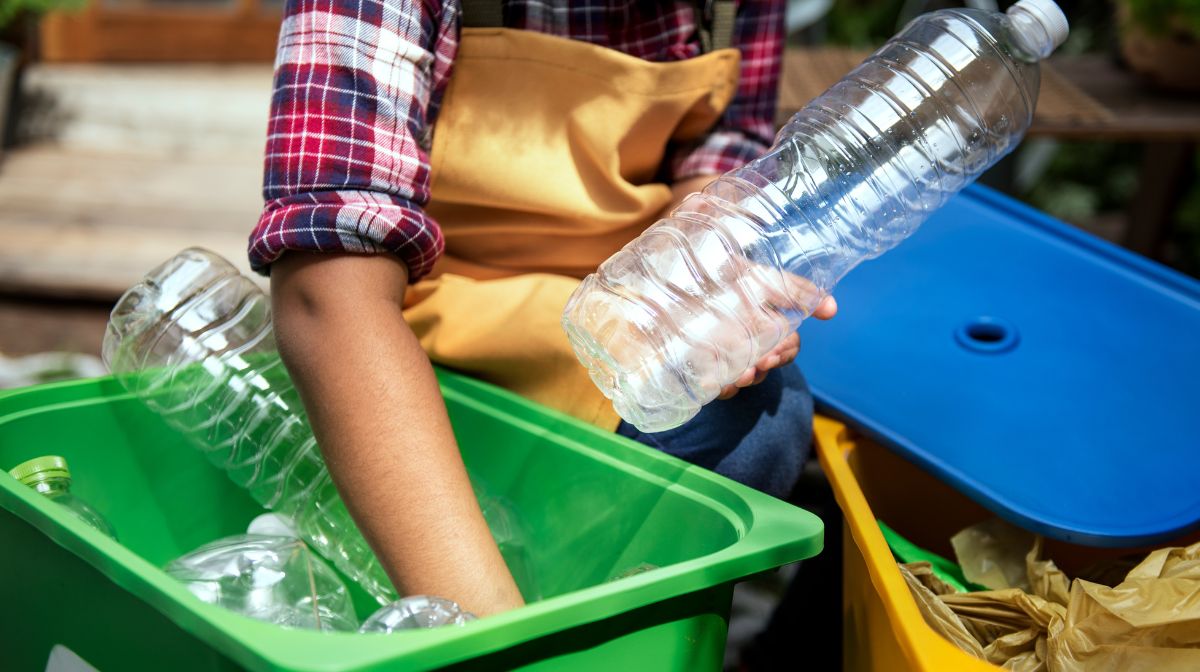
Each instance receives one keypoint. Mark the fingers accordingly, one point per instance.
(747, 378)
(826, 309)
(781, 355)
(789, 356)
(788, 349)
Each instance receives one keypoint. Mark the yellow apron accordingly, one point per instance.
(543, 165)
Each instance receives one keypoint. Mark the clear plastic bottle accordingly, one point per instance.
(680, 312)
(194, 341)
(417, 612)
(270, 578)
(50, 476)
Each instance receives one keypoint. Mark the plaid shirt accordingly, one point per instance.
(358, 84)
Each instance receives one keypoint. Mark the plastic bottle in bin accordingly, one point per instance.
(194, 341)
(270, 578)
(416, 612)
(680, 312)
(50, 476)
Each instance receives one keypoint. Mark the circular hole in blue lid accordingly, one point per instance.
(987, 335)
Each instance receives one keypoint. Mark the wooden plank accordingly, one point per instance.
(210, 192)
(145, 161)
(174, 111)
(199, 193)
(1081, 97)
(179, 34)
(89, 225)
(96, 262)
(1062, 105)
(1139, 112)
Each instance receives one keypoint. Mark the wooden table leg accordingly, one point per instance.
(1162, 182)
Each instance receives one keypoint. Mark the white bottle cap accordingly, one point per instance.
(1049, 17)
(273, 524)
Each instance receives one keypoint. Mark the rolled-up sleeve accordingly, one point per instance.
(747, 127)
(357, 85)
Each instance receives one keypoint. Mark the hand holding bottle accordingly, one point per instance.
(712, 291)
(781, 355)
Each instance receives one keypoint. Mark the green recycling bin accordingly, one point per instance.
(594, 503)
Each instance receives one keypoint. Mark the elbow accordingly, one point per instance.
(317, 299)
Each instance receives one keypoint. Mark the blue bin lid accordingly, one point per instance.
(1049, 375)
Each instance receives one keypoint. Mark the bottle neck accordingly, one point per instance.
(1032, 31)
(52, 486)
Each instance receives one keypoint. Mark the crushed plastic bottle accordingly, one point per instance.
(416, 612)
(50, 476)
(275, 579)
(194, 341)
(683, 310)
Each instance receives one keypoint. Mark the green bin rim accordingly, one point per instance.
(772, 533)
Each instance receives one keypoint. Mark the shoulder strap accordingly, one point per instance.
(724, 12)
(714, 22)
(482, 14)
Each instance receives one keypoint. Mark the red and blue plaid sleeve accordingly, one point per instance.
(357, 84)
(747, 127)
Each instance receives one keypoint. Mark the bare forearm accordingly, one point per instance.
(379, 418)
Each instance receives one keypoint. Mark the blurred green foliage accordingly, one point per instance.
(10, 10)
(868, 23)
(862, 24)
(1163, 17)
(1085, 179)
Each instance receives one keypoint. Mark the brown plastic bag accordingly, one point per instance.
(919, 577)
(992, 554)
(1004, 627)
(1150, 622)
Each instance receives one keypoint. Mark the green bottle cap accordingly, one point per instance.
(40, 469)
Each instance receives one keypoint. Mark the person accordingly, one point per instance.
(437, 182)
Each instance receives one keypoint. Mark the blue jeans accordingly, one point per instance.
(760, 437)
